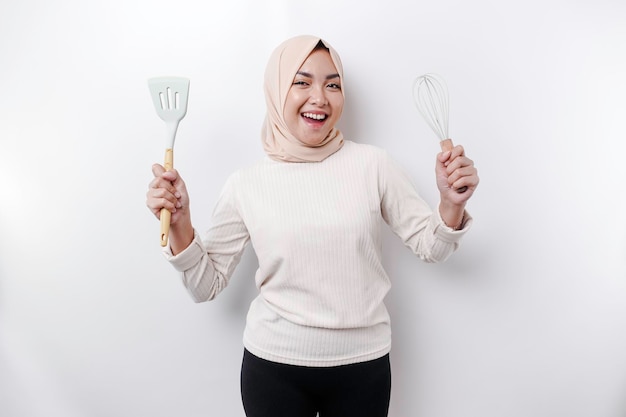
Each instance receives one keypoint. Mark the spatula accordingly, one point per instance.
(169, 95)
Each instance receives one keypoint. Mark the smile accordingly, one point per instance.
(314, 116)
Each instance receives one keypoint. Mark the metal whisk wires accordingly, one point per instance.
(431, 99)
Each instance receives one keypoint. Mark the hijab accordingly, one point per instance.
(278, 142)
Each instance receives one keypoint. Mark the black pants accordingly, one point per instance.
(270, 389)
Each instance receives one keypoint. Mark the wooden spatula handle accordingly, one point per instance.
(447, 145)
(165, 214)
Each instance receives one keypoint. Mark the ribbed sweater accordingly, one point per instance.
(316, 231)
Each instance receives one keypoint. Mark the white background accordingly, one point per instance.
(527, 319)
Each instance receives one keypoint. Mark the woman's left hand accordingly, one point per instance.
(454, 171)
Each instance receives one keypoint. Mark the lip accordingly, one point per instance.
(314, 124)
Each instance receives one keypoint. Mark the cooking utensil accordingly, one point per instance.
(431, 99)
(169, 95)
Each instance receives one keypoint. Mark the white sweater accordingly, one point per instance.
(316, 231)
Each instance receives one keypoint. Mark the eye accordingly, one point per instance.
(300, 83)
(334, 86)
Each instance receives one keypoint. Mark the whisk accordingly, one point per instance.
(431, 99)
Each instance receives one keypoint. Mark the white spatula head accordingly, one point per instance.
(170, 95)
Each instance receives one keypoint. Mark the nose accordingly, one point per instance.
(318, 96)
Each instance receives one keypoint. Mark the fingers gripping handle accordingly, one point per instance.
(165, 214)
(447, 145)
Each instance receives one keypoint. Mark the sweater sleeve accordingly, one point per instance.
(412, 220)
(208, 263)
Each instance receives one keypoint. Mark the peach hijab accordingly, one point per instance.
(278, 142)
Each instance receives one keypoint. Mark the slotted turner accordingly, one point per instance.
(169, 95)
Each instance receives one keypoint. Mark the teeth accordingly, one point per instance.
(314, 116)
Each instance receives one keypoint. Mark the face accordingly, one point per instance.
(314, 102)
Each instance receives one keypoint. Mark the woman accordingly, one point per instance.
(317, 337)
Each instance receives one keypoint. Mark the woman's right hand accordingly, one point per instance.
(167, 190)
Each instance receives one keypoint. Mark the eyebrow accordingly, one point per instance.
(308, 75)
